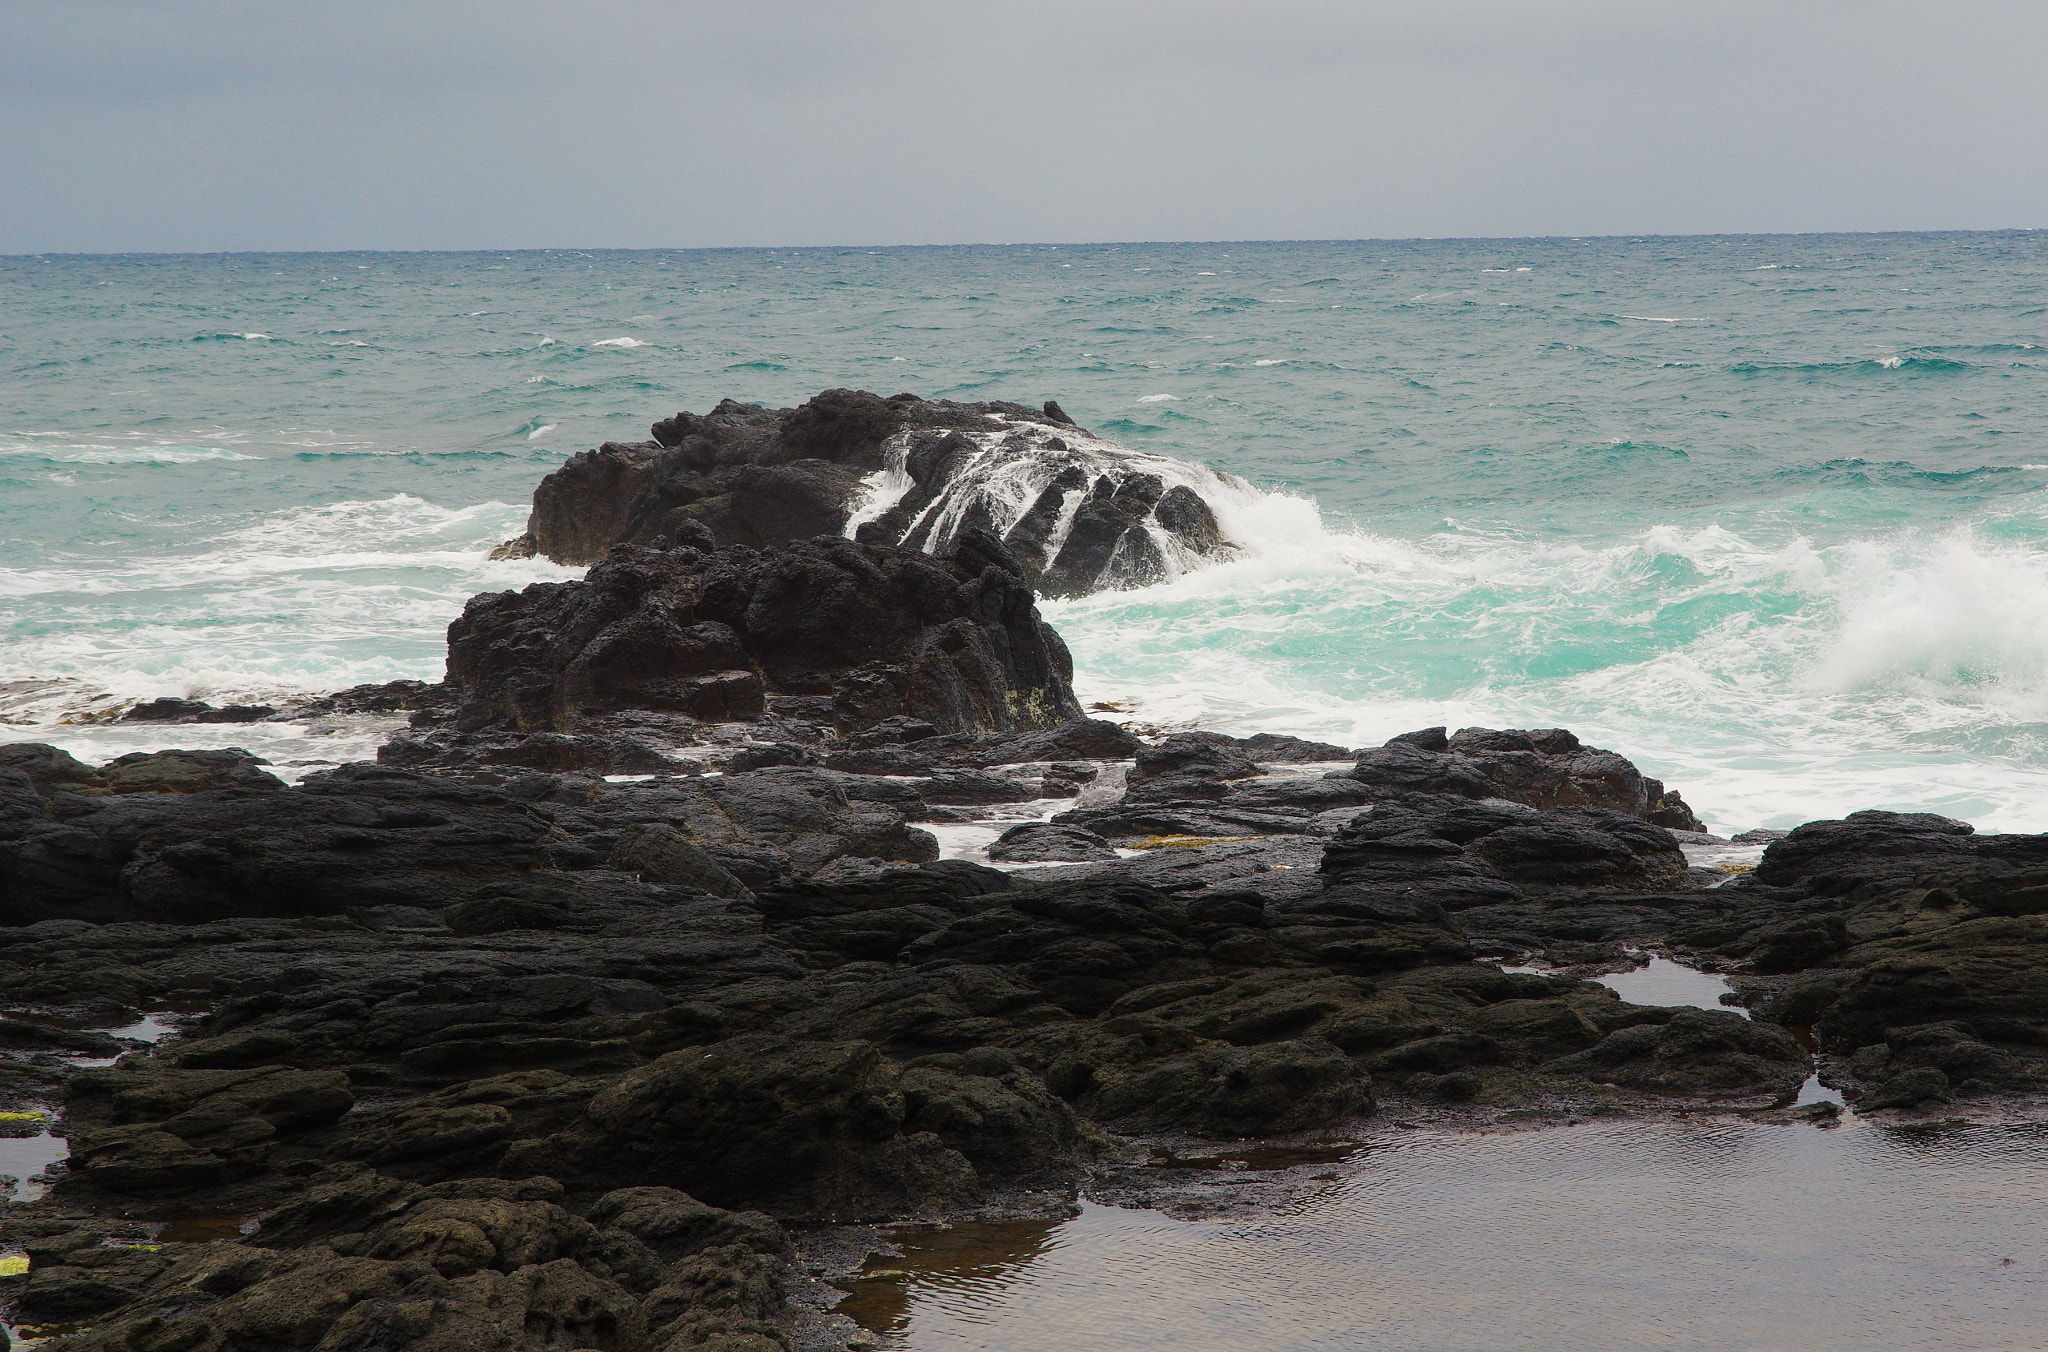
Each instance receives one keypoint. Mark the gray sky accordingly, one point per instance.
(256, 124)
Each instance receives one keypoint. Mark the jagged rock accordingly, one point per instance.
(1184, 768)
(445, 749)
(1697, 1051)
(186, 772)
(50, 770)
(1161, 1082)
(759, 477)
(763, 755)
(660, 853)
(382, 698)
(956, 641)
(1268, 748)
(1092, 739)
(975, 787)
(358, 836)
(1872, 847)
(817, 1129)
(170, 709)
(1037, 842)
(1908, 1090)
(1544, 769)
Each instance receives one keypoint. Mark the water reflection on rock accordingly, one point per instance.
(1695, 1235)
(1661, 981)
(965, 1265)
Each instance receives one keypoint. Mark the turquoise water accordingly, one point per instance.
(1769, 514)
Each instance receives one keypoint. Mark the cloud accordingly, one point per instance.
(223, 124)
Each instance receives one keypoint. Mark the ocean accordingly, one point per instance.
(1767, 514)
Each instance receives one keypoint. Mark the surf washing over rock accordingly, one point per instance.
(568, 1001)
(1079, 513)
(765, 881)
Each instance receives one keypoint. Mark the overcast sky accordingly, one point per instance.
(256, 124)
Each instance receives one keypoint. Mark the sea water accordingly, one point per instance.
(1713, 1235)
(1767, 514)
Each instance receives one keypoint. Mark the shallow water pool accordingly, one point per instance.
(1722, 1235)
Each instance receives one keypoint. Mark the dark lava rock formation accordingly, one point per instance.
(504, 1058)
(480, 1048)
(1078, 513)
(952, 640)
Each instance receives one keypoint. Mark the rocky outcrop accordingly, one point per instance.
(479, 1264)
(365, 838)
(1545, 768)
(1078, 513)
(507, 1054)
(48, 767)
(171, 709)
(1935, 956)
(953, 640)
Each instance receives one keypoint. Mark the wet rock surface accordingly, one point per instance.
(498, 1053)
(1078, 513)
(537, 1032)
(954, 641)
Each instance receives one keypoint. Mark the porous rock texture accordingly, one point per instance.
(513, 1059)
(747, 475)
(498, 1053)
(953, 640)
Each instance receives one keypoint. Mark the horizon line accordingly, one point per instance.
(1030, 244)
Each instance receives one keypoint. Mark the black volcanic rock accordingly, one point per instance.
(493, 1048)
(1872, 847)
(170, 709)
(444, 749)
(747, 475)
(1183, 768)
(49, 768)
(1040, 842)
(1544, 768)
(953, 640)
(356, 837)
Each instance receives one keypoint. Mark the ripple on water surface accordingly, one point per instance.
(1708, 1235)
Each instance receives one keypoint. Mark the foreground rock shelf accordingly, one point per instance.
(637, 947)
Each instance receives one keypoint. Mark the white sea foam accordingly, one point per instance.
(293, 603)
(1272, 361)
(1669, 319)
(1841, 678)
(884, 489)
(1157, 398)
(101, 454)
